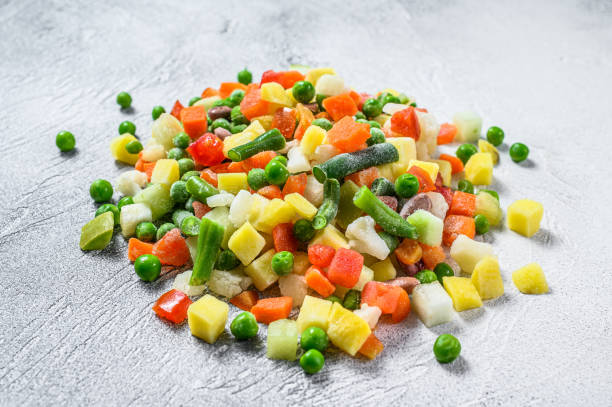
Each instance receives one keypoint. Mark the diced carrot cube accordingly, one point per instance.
(455, 225)
(345, 268)
(321, 255)
(286, 78)
(384, 296)
(220, 168)
(208, 92)
(226, 88)
(456, 164)
(372, 347)
(364, 177)
(270, 192)
(172, 249)
(236, 167)
(268, 310)
(447, 133)
(406, 123)
(194, 121)
(316, 280)
(209, 176)
(340, 106)
(347, 135)
(284, 121)
(425, 182)
(432, 255)
(176, 110)
(148, 169)
(245, 300)
(259, 160)
(137, 248)
(295, 183)
(252, 105)
(402, 309)
(463, 203)
(283, 238)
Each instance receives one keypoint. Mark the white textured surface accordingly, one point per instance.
(77, 328)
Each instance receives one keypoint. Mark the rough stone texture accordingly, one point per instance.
(77, 328)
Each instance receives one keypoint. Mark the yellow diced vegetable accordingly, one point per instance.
(524, 216)
(346, 330)
(277, 211)
(260, 270)
(487, 278)
(265, 121)
(382, 119)
(445, 171)
(488, 206)
(384, 270)
(256, 211)
(479, 169)
(232, 182)
(485, 147)
(289, 93)
(300, 263)
(314, 312)
(301, 205)
(253, 130)
(164, 129)
(207, 102)
(166, 172)
(246, 243)
(330, 236)
(314, 74)
(388, 171)
(275, 93)
(313, 137)
(430, 168)
(119, 152)
(366, 275)
(406, 148)
(207, 317)
(462, 292)
(530, 279)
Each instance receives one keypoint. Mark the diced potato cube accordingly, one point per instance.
(469, 125)
(253, 130)
(384, 270)
(313, 137)
(275, 93)
(488, 206)
(166, 172)
(282, 341)
(164, 129)
(301, 205)
(153, 152)
(388, 171)
(467, 252)
(232, 182)
(485, 147)
(479, 169)
(346, 330)
(314, 312)
(432, 304)
(260, 270)
(487, 278)
(429, 132)
(294, 286)
(330, 236)
(131, 216)
(406, 148)
(119, 152)
(330, 85)
(277, 211)
(296, 161)
(370, 314)
(207, 317)
(445, 171)
(366, 275)
(430, 168)
(245, 242)
(257, 208)
(524, 216)
(530, 279)
(462, 292)
(289, 93)
(225, 283)
(314, 74)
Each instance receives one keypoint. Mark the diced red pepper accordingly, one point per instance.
(371, 347)
(176, 110)
(345, 268)
(321, 255)
(270, 192)
(259, 160)
(384, 296)
(209, 176)
(208, 92)
(406, 123)
(402, 309)
(283, 237)
(286, 78)
(137, 248)
(284, 121)
(207, 150)
(305, 118)
(172, 306)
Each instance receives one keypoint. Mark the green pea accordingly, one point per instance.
(223, 102)
(127, 127)
(314, 337)
(65, 141)
(276, 173)
(494, 194)
(312, 361)
(237, 96)
(245, 76)
(157, 111)
(133, 147)
(303, 230)
(465, 186)
(178, 192)
(413, 104)
(163, 229)
(190, 226)
(426, 276)
(146, 231)
(495, 135)
(281, 159)
(147, 267)
(351, 300)
(189, 174)
(244, 326)
(372, 107)
(226, 260)
(443, 270)
(446, 348)
(124, 100)
(221, 122)
(374, 124)
(176, 153)
(465, 151)
(406, 185)
(179, 215)
(319, 99)
(334, 298)
(303, 91)
(282, 263)
(101, 190)
(185, 165)
(360, 115)
(519, 152)
(482, 224)
(387, 97)
(193, 100)
(322, 123)
(126, 200)
(237, 128)
(181, 140)
(256, 178)
(237, 117)
(403, 99)
(377, 136)
(109, 208)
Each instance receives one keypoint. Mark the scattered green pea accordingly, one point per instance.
(256, 178)
(163, 229)
(157, 111)
(124, 100)
(446, 348)
(314, 337)
(282, 263)
(322, 123)
(178, 192)
(226, 260)
(126, 200)
(360, 115)
(244, 326)
(181, 140)
(101, 190)
(426, 276)
(377, 136)
(176, 153)
(443, 270)
(133, 147)
(519, 152)
(465, 151)
(185, 165)
(406, 185)
(351, 300)
(482, 224)
(147, 267)
(276, 173)
(372, 107)
(194, 100)
(189, 174)
(65, 141)
(312, 361)
(303, 230)
(146, 231)
(237, 96)
(245, 76)
(334, 298)
(127, 127)
(221, 122)
(190, 226)
(303, 91)
(495, 135)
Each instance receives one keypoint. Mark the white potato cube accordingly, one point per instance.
(131, 182)
(225, 283)
(297, 161)
(294, 286)
(467, 252)
(329, 85)
(239, 209)
(132, 215)
(432, 304)
(369, 314)
(221, 199)
(181, 283)
(323, 153)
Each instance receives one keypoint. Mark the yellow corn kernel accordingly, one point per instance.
(260, 270)
(429, 167)
(524, 216)
(246, 243)
(479, 169)
(530, 279)
(313, 137)
(301, 205)
(166, 172)
(207, 317)
(232, 182)
(462, 292)
(119, 152)
(314, 74)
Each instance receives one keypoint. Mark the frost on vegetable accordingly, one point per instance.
(164, 129)
(221, 199)
(132, 215)
(467, 252)
(364, 238)
(294, 286)
(239, 208)
(432, 304)
(314, 191)
(297, 161)
(131, 182)
(225, 283)
(439, 206)
(370, 314)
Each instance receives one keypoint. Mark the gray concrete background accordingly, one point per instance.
(77, 328)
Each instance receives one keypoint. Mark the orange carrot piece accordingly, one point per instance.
(137, 248)
(402, 309)
(194, 121)
(322, 115)
(318, 282)
(409, 251)
(245, 300)
(200, 209)
(270, 192)
(340, 106)
(455, 225)
(286, 78)
(172, 249)
(252, 105)
(209, 176)
(226, 88)
(447, 133)
(268, 310)
(259, 160)
(284, 121)
(176, 110)
(236, 167)
(364, 177)
(305, 117)
(425, 182)
(372, 347)
(347, 135)
(208, 92)
(463, 204)
(220, 168)
(148, 169)
(295, 183)
(432, 255)
(283, 237)
(456, 164)
(405, 123)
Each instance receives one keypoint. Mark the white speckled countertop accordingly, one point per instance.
(77, 328)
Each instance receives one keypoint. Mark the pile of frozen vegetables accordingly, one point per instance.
(320, 211)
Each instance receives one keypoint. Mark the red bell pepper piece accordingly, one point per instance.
(207, 150)
(172, 306)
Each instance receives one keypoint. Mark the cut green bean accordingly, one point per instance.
(200, 189)
(271, 140)
(209, 244)
(329, 208)
(386, 217)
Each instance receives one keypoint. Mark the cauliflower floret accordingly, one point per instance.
(364, 239)
(153, 152)
(131, 182)
(370, 314)
(181, 283)
(132, 215)
(323, 153)
(297, 161)
(225, 283)
(288, 146)
(294, 286)
(221, 199)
